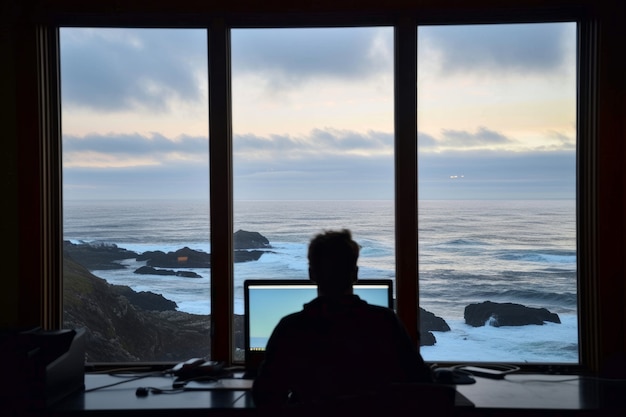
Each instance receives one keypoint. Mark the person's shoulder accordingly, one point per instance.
(288, 324)
(293, 317)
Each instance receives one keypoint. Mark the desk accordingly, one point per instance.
(548, 394)
(122, 398)
(523, 394)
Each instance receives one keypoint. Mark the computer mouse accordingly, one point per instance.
(452, 376)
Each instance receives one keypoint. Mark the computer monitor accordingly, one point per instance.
(267, 301)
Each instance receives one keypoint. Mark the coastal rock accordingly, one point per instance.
(427, 339)
(182, 258)
(247, 255)
(188, 274)
(97, 256)
(148, 270)
(507, 314)
(118, 330)
(430, 323)
(145, 300)
(106, 256)
(250, 240)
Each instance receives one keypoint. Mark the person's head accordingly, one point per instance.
(332, 262)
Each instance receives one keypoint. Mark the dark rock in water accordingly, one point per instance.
(148, 270)
(97, 256)
(247, 255)
(187, 274)
(427, 339)
(147, 255)
(146, 300)
(507, 314)
(430, 322)
(182, 258)
(250, 240)
(105, 256)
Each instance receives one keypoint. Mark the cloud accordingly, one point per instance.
(114, 70)
(326, 164)
(285, 58)
(463, 140)
(323, 143)
(519, 49)
(482, 137)
(127, 150)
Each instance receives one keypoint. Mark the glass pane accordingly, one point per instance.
(313, 148)
(135, 192)
(497, 191)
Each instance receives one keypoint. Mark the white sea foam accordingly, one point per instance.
(551, 342)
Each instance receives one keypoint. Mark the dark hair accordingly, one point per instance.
(332, 260)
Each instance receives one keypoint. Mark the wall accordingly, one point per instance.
(23, 293)
(9, 231)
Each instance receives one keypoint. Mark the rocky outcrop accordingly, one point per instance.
(427, 339)
(506, 314)
(145, 300)
(182, 258)
(430, 323)
(122, 326)
(247, 255)
(148, 270)
(250, 240)
(249, 246)
(97, 256)
(187, 274)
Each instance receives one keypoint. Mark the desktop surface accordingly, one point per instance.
(532, 393)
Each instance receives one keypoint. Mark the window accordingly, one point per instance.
(497, 189)
(313, 147)
(136, 188)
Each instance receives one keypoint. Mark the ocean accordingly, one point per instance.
(469, 252)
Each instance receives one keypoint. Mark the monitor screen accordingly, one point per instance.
(267, 301)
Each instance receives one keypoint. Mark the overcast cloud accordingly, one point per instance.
(517, 49)
(115, 71)
(121, 69)
(286, 58)
(134, 144)
(461, 139)
(324, 142)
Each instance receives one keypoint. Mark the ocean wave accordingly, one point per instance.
(565, 299)
(513, 344)
(463, 242)
(540, 256)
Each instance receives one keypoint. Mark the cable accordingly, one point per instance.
(144, 391)
(126, 380)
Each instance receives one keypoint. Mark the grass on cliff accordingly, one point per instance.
(76, 281)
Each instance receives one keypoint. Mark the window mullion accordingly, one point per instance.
(221, 201)
(406, 174)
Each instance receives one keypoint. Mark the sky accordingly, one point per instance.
(313, 112)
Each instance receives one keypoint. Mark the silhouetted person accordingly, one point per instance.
(338, 346)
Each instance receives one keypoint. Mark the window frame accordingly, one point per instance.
(405, 165)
